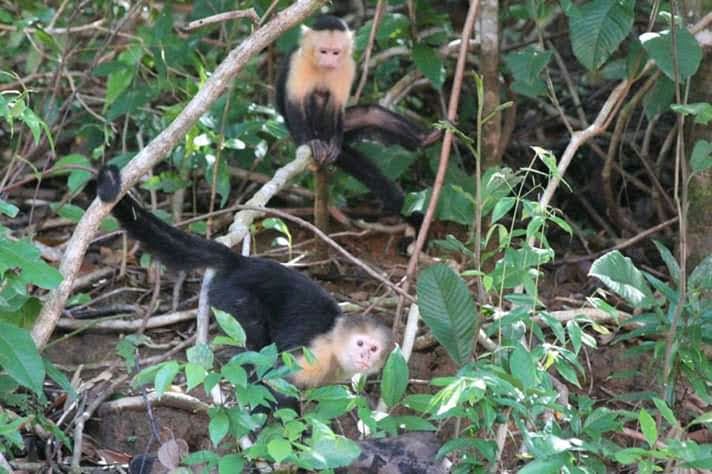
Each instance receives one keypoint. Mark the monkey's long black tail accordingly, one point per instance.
(173, 247)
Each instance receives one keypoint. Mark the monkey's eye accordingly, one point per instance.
(335, 53)
(359, 343)
(323, 51)
(374, 348)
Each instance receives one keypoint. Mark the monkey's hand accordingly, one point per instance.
(323, 153)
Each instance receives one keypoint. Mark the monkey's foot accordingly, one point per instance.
(323, 153)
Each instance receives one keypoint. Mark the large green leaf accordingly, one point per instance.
(598, 27)
(620, 275)
(429, 63)
(395, 378)
(19, 357)
(447, 308)
(659, 48)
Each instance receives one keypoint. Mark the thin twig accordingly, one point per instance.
(221, 17)
(380, 8)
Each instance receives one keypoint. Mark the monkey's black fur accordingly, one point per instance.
(273, 303)
(329, 23)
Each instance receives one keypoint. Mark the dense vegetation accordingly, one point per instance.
(565, 308)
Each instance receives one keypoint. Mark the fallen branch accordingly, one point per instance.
(177, 400)
(124, 325)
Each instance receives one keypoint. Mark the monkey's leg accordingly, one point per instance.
(379, 123)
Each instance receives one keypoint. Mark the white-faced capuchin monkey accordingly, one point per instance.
(313, 87)
(273, 303)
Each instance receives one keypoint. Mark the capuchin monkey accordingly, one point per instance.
(314, 85)
(312, 89)
(273, 303)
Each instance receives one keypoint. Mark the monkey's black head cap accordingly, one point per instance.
(329, 23)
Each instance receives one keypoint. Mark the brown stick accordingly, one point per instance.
(321, 209)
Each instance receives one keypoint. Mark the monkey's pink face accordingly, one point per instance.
(363, 354)
(328, 56)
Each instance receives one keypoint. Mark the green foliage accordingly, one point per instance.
(19, 358)
(660, 48)
(429, 63)
(621, 276)
(447, 308)
(526, 67)
(597, 29)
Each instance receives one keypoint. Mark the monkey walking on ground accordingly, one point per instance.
(273, 303)
(312, 89)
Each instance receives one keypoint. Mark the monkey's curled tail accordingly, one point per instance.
(173, 247)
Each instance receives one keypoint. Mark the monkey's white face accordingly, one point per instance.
(363, 354)
(330, 48)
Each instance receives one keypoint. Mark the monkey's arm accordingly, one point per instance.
(322, 371)
(386, 126)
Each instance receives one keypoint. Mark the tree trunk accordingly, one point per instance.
(700, 190)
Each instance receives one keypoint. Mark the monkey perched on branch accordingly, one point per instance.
(273, 303)
(313, 88)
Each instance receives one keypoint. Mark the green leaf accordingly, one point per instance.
(447, 308)
(526, 67)
(659, 48)
(235, 374)
(201, 355)
(701, 276)
(218, 426)
(547, 465)
(194, 374)
(119, 80)
(620, 275)
(280, 449)
(658, 100)
(230, 463)
(702, 111)
(165, 376)
(502, 207)
(665, 411)
(669, 260)
(702, 419)
(395, 378)
(337, 451)
(20, 359)
(231, 327)
(647, 426)
(429, 63)
(701, 159)
(77, 177)
(598, 27)
(8, 208)
(21, 254)
(524, 367)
